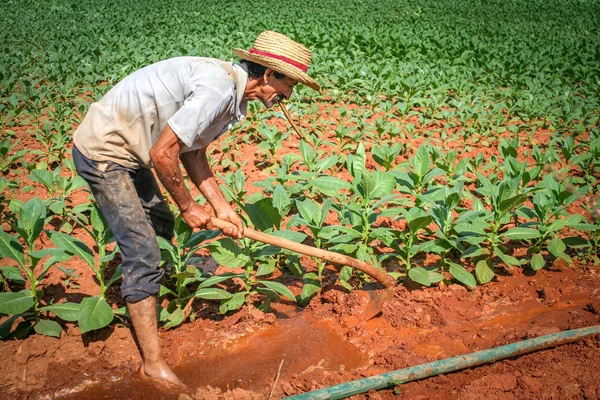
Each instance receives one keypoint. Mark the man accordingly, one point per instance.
(163, 113)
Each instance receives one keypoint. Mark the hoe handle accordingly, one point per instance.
(336, 258)
(291, 121)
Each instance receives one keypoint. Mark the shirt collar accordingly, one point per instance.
(241, 108)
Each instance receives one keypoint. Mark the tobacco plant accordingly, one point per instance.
(27, 303)
(186, 281)
(94, 312)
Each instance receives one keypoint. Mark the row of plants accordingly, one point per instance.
(516, 216)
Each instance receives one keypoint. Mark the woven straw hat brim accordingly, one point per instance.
(279, 66)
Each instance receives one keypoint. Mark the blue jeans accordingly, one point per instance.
(136, 212)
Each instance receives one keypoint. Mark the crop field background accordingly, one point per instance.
(455, 144)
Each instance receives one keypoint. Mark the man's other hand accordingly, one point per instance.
(237, 230)
(196, 217)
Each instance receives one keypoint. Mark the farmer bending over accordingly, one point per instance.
(163, 113)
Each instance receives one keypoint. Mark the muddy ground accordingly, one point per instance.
(251, 354)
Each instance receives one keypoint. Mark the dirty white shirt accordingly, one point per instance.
(200, 99)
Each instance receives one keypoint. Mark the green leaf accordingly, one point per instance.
(374, 185)
(556, 247)
(309, 210)
(311, 284)
(48, 328)
(420, 275)
(462, 275)
(6, 326)
(66, 311)
(201, 236)
(213, 280)
(212, 294)
(165, 290)
(537, 262)
(73, 246)
(421, 162)
(510, 203)
(294, 236)
(279, 288)
(31, 219)
(15, 302)
(95, 314)
(329, 185)
(13, 274)
(227, 253)
(281, 200)
(11, 248)
(507, 259)
(521, 234)
(174, 319)
(266, 267)
(484, 271)
(233, 303)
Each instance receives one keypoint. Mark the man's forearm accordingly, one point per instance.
(198, 169)
(166, 165)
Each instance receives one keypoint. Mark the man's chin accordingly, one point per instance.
(269, 103)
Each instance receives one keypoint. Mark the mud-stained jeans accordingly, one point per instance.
(136, 212)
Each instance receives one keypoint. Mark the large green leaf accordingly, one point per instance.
(421, 161)
(557, 247)
(201, 236)
(15, 303)
(233, 303)
(73, 246)
(212, 294)
(95, 314)
(11, 248)
(213, 280)
(537, 262)
(174, 319)
(330, 185)
(66, 311)
(279, 288)
(420, 275)
(13, 274)
(521, 234)
(510, 203)
(462, 275)
(7, 325)
(294, 236)
(31, 219)
(227, 253)
(484, 271)
(311, 284)
(48, 328)
(309, 210)
(377, 184)
(281, 200)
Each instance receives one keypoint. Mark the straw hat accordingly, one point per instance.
(281, 54)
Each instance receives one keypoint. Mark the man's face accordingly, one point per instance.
(275, 90)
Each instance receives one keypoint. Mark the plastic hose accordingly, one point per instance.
(448, 365)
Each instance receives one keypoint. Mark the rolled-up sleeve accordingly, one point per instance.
(198, 112)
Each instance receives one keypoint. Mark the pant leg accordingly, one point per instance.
(157, 211)
(115, 192)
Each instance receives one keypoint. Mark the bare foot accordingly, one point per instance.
(160, 373)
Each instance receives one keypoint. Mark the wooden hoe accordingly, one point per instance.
(376, 299)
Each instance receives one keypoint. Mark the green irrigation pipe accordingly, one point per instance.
(448, 365)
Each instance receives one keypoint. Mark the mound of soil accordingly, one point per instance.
(322, 345)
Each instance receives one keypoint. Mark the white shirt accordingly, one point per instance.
(200, 99)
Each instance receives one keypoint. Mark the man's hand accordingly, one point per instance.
(196, 217)
(237, 230)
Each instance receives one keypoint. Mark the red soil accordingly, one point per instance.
(417, 325)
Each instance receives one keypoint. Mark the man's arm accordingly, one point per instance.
(198, 169)
(165, 157)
